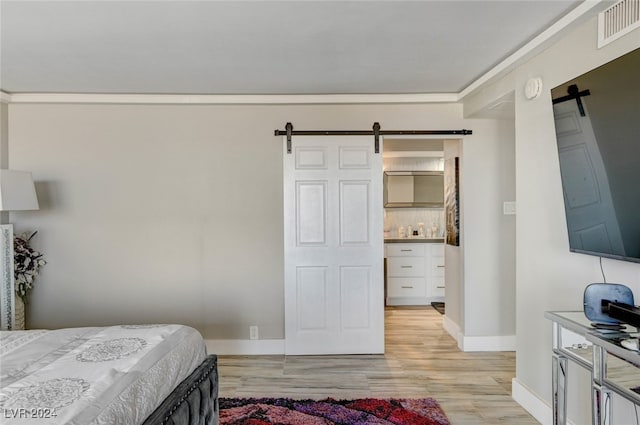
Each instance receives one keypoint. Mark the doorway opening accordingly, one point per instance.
(414, 232)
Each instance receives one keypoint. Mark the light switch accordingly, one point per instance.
(509, 208)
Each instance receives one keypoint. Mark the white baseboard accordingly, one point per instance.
(478, 343)
(246, 347)
(452, 329)
(537, 407)
(489, 343)
(251, 347)
(533, 404)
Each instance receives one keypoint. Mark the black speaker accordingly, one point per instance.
(599, 295)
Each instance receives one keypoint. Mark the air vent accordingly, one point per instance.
(618, 20)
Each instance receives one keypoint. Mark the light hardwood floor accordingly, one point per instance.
(421, 360)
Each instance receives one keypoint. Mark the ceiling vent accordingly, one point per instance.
(618, 20)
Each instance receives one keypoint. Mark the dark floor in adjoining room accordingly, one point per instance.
(438, 306)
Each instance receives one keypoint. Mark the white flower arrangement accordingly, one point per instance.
(27, 263)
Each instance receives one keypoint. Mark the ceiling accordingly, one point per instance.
(262, 47)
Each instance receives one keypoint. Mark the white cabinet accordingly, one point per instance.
(415, 273)
(436, 281)
(406, 267)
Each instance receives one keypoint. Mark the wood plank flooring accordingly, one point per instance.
(421, 360)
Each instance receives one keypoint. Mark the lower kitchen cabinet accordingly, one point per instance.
(415, 273)
(436, 280)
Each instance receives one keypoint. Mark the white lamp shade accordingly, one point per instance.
(17, 191)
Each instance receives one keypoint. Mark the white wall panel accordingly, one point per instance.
(580, 183)
(311, 158)
(311, 304)
(567, 124)
(354, 157)
(355, 284)
(355, 228)
(311, 210)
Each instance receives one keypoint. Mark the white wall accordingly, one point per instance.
(480, 279)
(489, 235)
(548, 276)
(157, 213)
(170, 213)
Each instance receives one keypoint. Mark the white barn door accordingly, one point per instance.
(333, 242)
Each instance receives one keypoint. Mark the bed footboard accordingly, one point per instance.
(194, 401)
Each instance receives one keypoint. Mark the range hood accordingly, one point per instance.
(413, 189)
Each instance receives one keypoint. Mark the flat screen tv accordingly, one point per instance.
(597, 122)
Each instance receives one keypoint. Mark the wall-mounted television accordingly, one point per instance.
(597, 121)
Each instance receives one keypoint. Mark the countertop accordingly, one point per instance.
(414, 240)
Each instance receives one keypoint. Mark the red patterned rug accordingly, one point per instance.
(285, 411)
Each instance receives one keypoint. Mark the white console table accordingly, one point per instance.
(614, 369)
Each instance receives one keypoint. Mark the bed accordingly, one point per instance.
(125, 375)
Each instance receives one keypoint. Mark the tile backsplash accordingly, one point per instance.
(396, 217)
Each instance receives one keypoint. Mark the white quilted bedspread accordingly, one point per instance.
(82, 376)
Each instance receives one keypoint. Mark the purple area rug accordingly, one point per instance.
(285, 411)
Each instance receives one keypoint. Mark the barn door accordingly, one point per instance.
(333, 246)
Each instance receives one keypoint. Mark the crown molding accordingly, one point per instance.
(506, 65)
(531, 47)
(177, 99)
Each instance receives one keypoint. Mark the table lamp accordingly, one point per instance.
(17, 193)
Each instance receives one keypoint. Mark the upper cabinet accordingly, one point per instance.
(413, 189)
